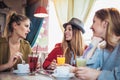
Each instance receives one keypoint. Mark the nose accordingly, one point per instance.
(91, 27)
(28, 29)
(65, 31)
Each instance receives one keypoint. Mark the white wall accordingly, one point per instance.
(55, 33)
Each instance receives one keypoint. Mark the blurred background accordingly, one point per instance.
(47, 30)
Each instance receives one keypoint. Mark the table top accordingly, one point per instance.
(12, 76)
(38, 76)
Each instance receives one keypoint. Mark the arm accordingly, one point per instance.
(85, 73)
(4, 67)
(110, 75)
(92, 47)
(11, 62)
(96, 60)
(52, 57)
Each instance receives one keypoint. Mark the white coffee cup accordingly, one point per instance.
(23, 68)
(62, 71)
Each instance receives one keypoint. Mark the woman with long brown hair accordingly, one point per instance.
(71, 46)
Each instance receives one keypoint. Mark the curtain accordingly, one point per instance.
(35, 26)
(66, 9)
(34, 30)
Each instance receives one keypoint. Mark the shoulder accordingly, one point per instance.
(57, 48)
(57, 45)
(25, 45)
(24, 41)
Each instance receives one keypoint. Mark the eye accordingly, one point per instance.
(93, 21)
(70, 29)
(27, 26)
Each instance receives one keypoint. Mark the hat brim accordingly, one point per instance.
(77, 26)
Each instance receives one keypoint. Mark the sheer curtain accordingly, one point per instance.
(60, 12)
(97, 5)
(66, 9)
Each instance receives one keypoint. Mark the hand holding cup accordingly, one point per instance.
(80, 61)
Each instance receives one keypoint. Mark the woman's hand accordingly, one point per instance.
(13, 59)
(72, 68)
(85, 73)
(53, 65)
(96, 40)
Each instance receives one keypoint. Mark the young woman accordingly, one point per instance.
(106, 25)
(71, 46)
(12, 44)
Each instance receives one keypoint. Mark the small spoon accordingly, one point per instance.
(23, 61)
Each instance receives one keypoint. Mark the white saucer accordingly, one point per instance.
(58, 77)
(20, 73)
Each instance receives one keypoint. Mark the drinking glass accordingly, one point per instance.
(80, 61)
(60, 59)
(32, 59)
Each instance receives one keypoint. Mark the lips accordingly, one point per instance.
(67, 36)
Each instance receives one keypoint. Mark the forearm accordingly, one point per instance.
(93, 47)
(46, 64)
(4, 67)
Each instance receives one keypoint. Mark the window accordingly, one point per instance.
(98, 5)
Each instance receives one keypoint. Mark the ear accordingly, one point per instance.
(105, 24)
(14, 24)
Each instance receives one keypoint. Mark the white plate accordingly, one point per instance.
(20, 73)
(63, 77)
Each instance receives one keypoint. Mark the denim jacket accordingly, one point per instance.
(108, 62)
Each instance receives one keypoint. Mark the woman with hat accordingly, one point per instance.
(71, 46)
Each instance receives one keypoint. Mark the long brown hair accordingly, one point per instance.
(76, 45)
(112, 16)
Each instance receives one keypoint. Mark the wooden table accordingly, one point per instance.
(12, 76)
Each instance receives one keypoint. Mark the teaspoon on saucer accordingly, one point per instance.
(23, 61)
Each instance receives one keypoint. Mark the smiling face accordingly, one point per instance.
(23, 29)
(68, 33)
(99, 27)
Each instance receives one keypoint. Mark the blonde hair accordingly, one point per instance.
(112, 16)
(11, 18)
